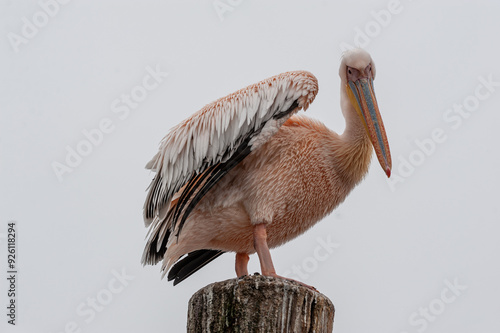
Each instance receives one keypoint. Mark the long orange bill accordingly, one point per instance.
(363, 98)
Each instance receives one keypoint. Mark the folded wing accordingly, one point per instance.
(199, 151)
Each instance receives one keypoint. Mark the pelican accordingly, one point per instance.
(245, 173)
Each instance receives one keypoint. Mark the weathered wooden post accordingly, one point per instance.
(259, 304)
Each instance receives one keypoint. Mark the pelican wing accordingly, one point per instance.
(199, 151)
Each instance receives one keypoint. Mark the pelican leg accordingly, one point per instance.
(241, 264)
(260, 245)
(266, 262)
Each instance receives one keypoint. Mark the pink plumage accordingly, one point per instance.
(245, 174)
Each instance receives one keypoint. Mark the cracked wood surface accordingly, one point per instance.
(259, 304)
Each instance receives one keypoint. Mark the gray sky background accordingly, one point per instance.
(418, 253)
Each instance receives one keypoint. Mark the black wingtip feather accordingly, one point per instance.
(191, 264)
(151, 256)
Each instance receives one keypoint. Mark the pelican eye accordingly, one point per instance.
(352, 74)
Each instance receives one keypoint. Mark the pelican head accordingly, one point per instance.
(357, 72)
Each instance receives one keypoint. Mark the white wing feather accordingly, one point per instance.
(213, 134)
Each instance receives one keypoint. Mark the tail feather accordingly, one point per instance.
(192, 263)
